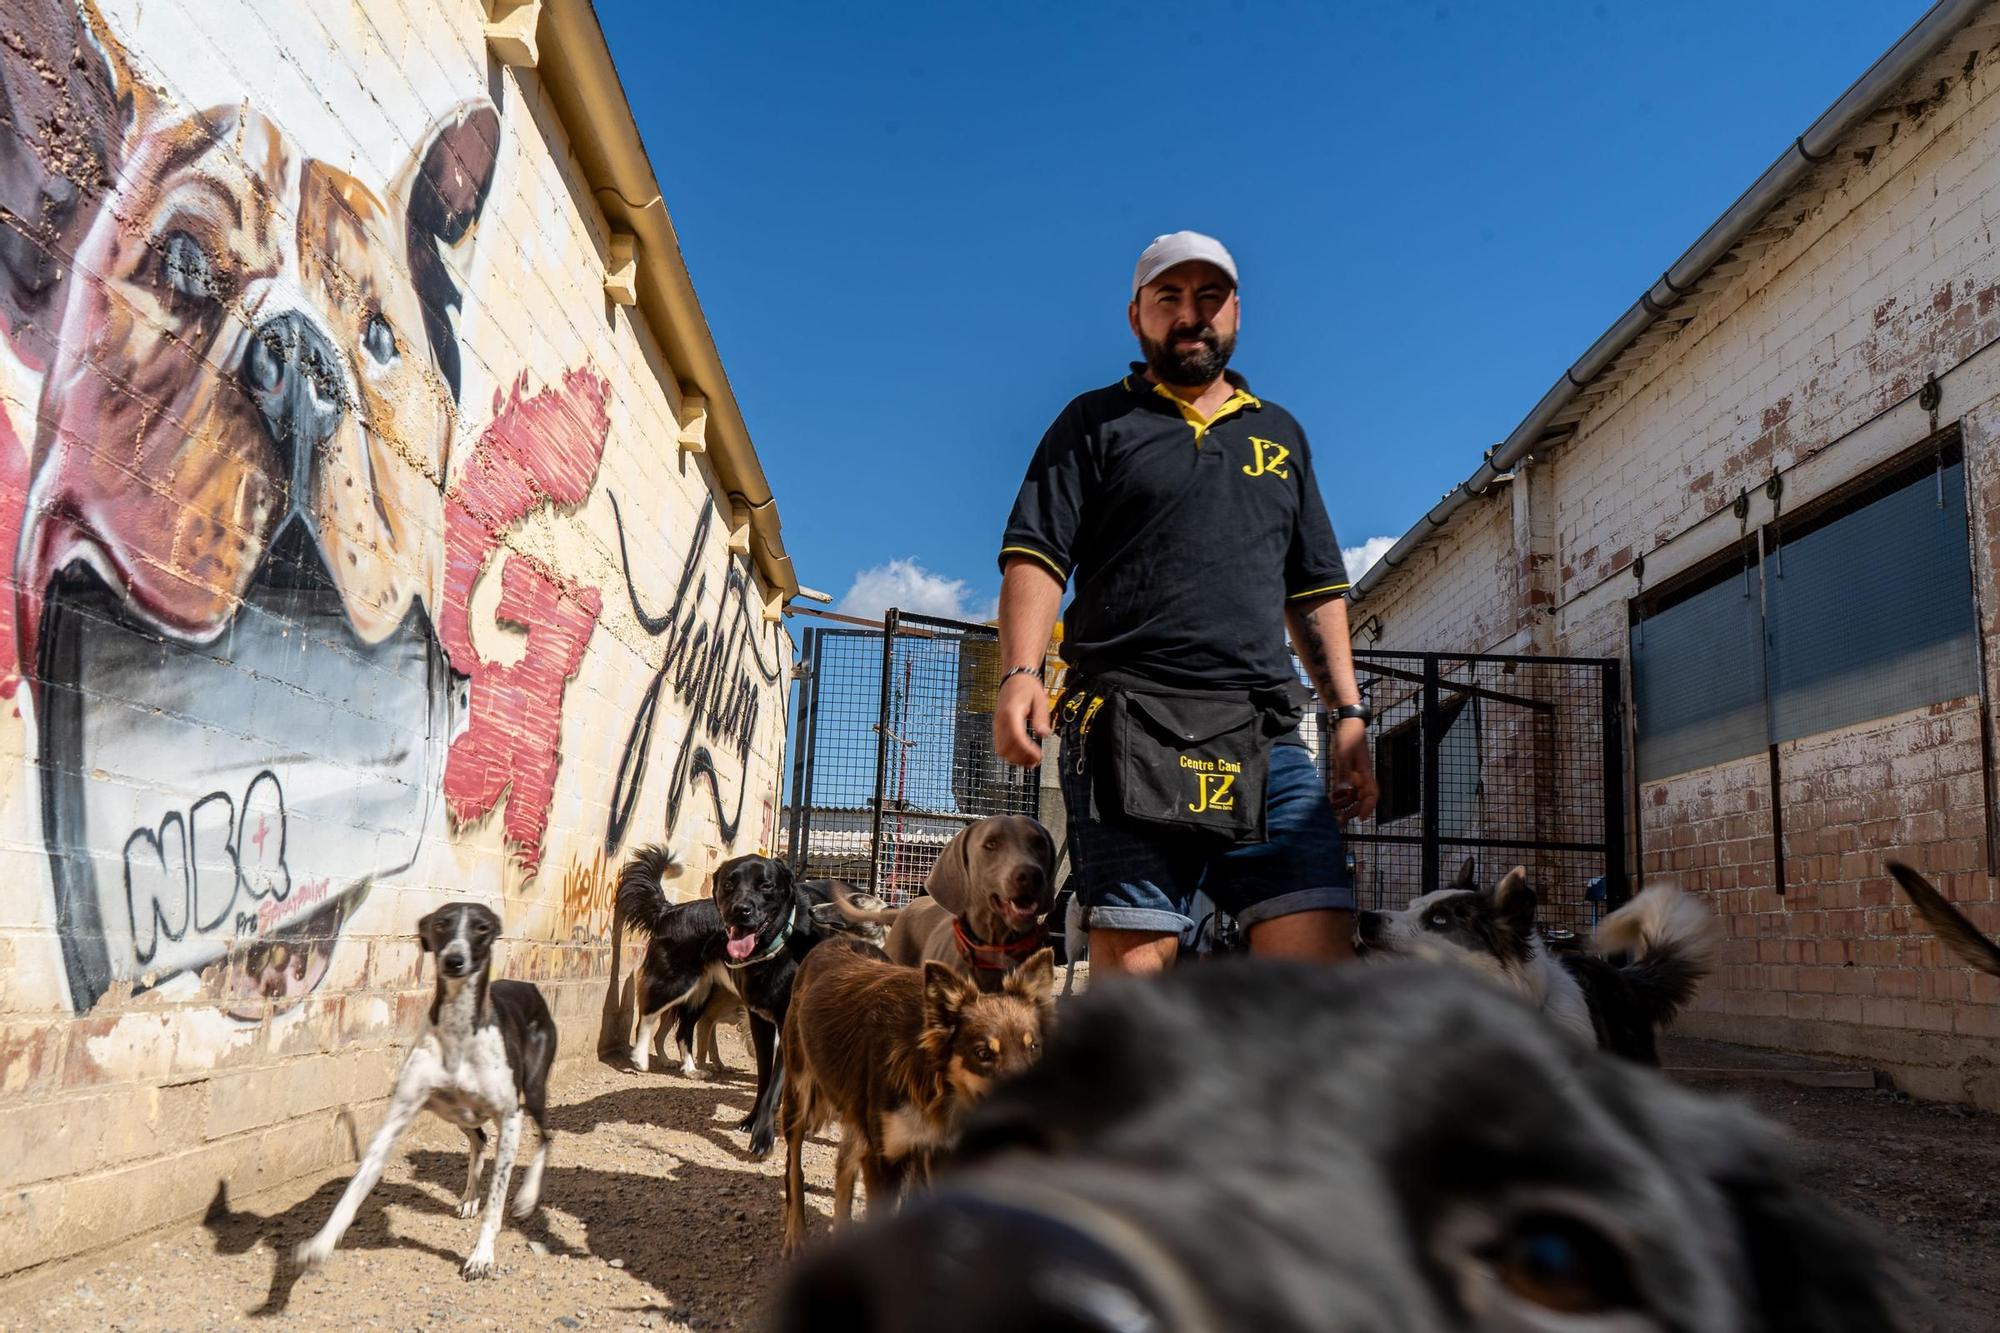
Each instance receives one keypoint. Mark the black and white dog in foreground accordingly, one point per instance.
(485, 1055)
(1620, 1006)
(1284, 1147)
(748, 935)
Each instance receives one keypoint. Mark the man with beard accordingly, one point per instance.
(1186, 509)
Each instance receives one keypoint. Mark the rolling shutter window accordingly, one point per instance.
(1870, 610)
(1698, 677)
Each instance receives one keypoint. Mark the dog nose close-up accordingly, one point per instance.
(974, 1265)
(294, 376)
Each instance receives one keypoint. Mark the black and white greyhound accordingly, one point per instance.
(485, 1055)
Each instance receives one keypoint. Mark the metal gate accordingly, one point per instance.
(895, 750)
(1506, 760)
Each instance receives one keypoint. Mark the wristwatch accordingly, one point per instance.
(1362, 711)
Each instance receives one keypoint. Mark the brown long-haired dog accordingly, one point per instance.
(895, 1055)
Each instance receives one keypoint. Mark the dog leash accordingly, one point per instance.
(770, 950)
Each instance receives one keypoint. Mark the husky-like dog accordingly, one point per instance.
(1619, 1005)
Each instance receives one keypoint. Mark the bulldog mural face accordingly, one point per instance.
(233, 543)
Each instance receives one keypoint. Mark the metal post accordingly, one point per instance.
(1432, 743)
(1616, 887)
(881, 750)
(802, 754)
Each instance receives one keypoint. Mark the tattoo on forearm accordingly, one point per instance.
(1312, 650)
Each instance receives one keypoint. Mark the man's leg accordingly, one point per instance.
(1291, 892)
(1133, 884)
(1136, 951)
(1314, 937)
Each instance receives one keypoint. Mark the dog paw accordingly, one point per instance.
(468, 1207)
(478, 1266)
(310, 1254)
(760, 1145)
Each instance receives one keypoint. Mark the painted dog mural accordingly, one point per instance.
(251, 509)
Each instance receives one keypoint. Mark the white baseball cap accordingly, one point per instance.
(1179, 248)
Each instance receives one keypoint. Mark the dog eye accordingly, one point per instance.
(186, 266)
(379, 339)
(1563, 1265)
(1438, 920)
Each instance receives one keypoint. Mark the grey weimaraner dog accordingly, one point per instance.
(986, 903)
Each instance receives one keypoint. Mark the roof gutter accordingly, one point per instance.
(582, 84)
(1919, 44)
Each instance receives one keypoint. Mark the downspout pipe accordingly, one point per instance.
(1821, 138)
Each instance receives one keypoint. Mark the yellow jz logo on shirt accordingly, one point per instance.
(1213, 793)
(1271, 458)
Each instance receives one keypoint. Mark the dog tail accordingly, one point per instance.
(859, 915)
(1672, 939)
(642, 896)
(1959, 935)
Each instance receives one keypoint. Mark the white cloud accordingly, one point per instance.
(1359, 558)
(908, 586)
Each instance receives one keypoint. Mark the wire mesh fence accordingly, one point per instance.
(896, 750)
(1502, 761)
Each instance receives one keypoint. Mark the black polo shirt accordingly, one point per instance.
(1186, 537)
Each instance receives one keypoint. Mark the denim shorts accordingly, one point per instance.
(1137, 877)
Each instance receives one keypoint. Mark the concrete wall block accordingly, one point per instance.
(248, 1099)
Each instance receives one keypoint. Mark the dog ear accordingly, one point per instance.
(946, 993)
(1034, 980)
(424, 930)
(1952, 926)
(69, 120)
(443, 192)
(950, 880)
(1465, 873)
(1048, 847)
(1514, 901)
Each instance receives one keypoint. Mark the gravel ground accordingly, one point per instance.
(1925, 1175)
(652, 1218)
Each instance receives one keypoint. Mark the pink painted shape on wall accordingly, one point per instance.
(539, 450)
(13, 508)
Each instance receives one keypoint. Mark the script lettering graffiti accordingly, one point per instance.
(717, 672)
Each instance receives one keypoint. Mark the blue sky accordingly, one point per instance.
(912, 226)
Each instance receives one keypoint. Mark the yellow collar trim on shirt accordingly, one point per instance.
(1236, 402)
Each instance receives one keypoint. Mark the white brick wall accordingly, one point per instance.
(1807, 363)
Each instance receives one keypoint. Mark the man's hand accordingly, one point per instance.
(1351, 790)
(1021, 720)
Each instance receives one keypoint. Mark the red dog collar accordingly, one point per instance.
(997, 957)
